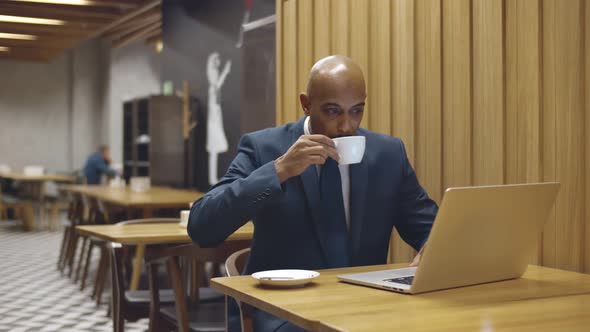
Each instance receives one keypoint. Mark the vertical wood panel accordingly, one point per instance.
(321, 24)
(513, 175)
(279, 70)
(359, 43)
(529, 95)
(488, 94)
(304, 45)
(402, 85)
(380, 67)
(549, 125)
(570, 172)
(587, 131)
(428, 163)
(290, 99)
(457, 95)
(340, 27)
(479, 93)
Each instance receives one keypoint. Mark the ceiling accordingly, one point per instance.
(40, 30)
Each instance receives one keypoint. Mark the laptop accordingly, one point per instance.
(480, 235)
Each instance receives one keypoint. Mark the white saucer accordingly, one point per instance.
(285, 277)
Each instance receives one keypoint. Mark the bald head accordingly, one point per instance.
(335, 71)
(335, 96)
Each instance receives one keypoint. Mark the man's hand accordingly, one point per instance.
(417, 258)
(307, 150)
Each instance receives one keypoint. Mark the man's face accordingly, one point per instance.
(336, 109)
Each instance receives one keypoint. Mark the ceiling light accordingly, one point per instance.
(4, 49)
(61, 2)
(30, 20)
(20, 36)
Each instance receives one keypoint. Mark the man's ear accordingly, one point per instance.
(305, 104)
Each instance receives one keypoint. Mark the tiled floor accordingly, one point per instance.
(34, 296)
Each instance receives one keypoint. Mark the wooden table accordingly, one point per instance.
(141, 235)
(155, 198)
(37, 183)
(543, 300)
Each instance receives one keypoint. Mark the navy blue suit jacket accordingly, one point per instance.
(384, 193)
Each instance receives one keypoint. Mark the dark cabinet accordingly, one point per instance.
(153, 144)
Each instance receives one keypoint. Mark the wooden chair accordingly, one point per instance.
(234, 265)
(188, 314)
(70, 238)
(125, 304)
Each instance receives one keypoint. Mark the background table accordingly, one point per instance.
(543, 300)
(36, 185)
(141, 235)
(154, 198)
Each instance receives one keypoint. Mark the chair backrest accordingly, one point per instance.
(234, 265)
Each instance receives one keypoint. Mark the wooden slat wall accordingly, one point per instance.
(481, 92)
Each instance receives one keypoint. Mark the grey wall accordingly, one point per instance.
(55, 114)
(34, 101)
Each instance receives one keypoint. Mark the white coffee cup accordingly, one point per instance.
(350, 149)
(184, 218)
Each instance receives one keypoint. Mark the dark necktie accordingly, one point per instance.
(333, 221)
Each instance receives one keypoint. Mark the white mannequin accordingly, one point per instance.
(216, 140)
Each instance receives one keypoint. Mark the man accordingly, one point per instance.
(97, 164)
(309, 212)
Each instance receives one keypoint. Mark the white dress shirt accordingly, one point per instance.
(344, 177)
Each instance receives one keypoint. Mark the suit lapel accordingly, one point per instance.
(359, 177)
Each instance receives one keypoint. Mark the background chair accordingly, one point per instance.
(188, 314)
(129, 305)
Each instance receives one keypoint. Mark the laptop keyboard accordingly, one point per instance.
(402, 280)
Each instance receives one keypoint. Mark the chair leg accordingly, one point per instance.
(72, 255)
(86, 266)
(100, 285)
(99, 274)
(85, 244)
(62, 250)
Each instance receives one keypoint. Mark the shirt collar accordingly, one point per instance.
(306, 126)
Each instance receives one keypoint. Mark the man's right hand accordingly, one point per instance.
(307, 150)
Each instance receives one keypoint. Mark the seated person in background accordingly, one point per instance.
(97, 164)
(309, 212)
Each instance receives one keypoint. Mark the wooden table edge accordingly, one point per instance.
(312, 325)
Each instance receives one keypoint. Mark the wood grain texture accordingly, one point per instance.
(322, 27)
(280, 66)
(290, 94)
(304, 47)
(428, 147)
(570, 145)
(340, 31)
(380, 66)
(359, 44)
(549, 71)
(481, 92)
(457, 140)
(402, 91)
(544, 299)
(488, 93)
(587, 131)
(155, 197)
(151, 233)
